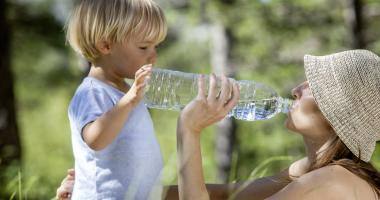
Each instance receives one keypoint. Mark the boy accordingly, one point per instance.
(116, 152)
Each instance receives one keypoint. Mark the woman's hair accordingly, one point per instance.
(338, 154)
(114, 21)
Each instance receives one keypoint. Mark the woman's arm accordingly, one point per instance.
(200, 113)
(197, 115)
(257, 189)
(267, 186)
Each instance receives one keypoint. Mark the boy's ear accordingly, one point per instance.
(104, 47)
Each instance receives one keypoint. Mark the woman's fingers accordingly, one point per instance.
(201, 88)
(225, 92)
(212, 90)
(223, 96)
(62, 194)
(205, 111)
(71, 172)
(231, 103)
(68, 186)
(70, 177)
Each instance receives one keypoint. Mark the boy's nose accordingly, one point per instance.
(153, 57)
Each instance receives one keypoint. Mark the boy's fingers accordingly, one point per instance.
(143, 69)
(144, 72)
(147, 66)
(142, 77)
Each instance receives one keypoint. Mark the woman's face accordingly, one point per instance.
(305, 116)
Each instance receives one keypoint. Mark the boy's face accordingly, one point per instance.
(126, 58)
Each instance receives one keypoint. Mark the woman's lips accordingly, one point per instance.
(294, 105)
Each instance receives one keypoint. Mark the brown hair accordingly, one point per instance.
(338, 154)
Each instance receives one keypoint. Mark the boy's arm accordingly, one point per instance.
(101, 132)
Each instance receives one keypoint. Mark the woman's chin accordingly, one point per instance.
(289, 124)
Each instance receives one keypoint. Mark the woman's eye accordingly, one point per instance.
(143, 48)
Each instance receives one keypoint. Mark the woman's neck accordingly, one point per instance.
(314, 148)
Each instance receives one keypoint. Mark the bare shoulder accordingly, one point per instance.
(329, 175)
(330, 182)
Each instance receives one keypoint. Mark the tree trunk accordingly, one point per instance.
(226, 129)
(203, 11)
(355, 21)
(10, 148)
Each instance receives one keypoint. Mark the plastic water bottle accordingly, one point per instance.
(172, 90)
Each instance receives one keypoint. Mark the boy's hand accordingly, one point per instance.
(66, 189)
(136, 92)
(204, 111)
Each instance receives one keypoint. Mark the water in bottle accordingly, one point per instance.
(172, 90)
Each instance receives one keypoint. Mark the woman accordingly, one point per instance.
(336, 111)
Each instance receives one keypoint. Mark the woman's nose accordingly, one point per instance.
(296, 93)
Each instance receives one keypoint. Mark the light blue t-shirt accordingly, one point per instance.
(129, 167)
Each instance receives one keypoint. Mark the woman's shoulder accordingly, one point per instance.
(330, 182)
(333, 173)
(336, 181)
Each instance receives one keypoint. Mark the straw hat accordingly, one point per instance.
(346, 87)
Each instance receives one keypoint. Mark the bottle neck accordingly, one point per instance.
(284, 105)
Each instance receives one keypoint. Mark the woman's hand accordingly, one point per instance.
(66, 189)
(197, 115)
(204, 111)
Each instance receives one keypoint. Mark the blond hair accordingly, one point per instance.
(113, 21)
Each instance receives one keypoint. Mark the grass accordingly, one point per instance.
(18, 187)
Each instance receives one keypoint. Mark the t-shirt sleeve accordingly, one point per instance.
(88, 105)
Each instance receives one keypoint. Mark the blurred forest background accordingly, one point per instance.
(262, 40)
